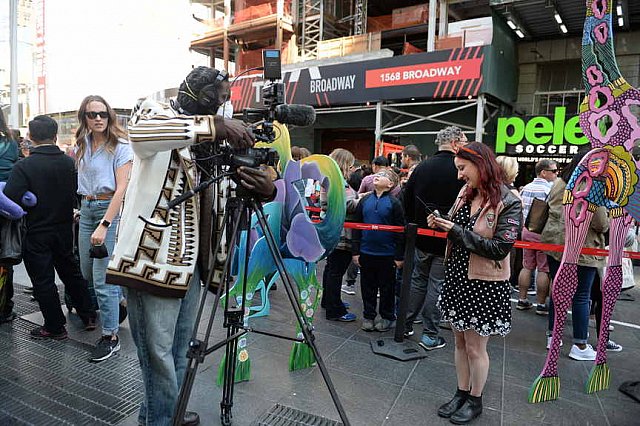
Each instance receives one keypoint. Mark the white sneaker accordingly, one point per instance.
(549, 342)
(586, 354)
(348, 289)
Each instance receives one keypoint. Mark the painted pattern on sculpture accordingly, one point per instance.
(302, 244)
(607, 176)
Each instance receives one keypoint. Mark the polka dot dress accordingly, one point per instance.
(467, 304)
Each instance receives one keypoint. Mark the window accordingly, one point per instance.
(558, 84)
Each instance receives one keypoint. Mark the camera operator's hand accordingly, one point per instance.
(234, 131)
(257, 180)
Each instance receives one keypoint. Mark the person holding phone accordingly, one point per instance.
(103, 157)
(484, 223)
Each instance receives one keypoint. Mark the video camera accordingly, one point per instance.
(273, 99)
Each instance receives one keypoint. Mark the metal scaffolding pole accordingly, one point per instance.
(13, 47)
(480, 118)
(431, 30)
(360, 17)
(378, 121)
(443, 23)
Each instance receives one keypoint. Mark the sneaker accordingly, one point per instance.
(532, 290)
(42, 333)
(431, 343)
(105, 347)
(348, 317)
(418, 320)
(348, 289)
(383, 325)
(586, 354)
(8, 318)
(346, 305)
(408, 332)
(549, 342)
(613, 346)
(542, 309)
(367, 325)
(523, 305)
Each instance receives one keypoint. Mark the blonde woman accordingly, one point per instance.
(340, 258)
(509, 166)
(104, 158)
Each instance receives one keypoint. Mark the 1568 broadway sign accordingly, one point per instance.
(540, 136)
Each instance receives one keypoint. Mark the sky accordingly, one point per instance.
(120, 49)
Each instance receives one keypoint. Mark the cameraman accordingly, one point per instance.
(156, 255)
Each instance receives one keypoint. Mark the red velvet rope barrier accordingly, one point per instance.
(518, 244)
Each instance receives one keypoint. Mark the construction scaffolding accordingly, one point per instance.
(311, 27)
(360, 17)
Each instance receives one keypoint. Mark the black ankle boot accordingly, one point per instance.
(471, 409)
(452, 406)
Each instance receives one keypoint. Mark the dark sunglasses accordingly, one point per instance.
(552, 170)
(93, 115)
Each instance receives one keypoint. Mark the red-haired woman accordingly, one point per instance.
(485, 221)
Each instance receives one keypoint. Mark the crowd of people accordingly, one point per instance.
(463, 282)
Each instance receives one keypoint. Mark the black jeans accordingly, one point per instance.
(43, 251)
(6, 291)
(377, 273)
(337, 264)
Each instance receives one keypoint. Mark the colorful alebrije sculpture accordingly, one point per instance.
(302, 243)
(607, 176)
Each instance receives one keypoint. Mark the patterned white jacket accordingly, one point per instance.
(157, 249)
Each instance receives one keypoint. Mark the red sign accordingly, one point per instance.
(467, 69)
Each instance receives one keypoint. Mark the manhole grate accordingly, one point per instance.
(45, 382)
(282, 415)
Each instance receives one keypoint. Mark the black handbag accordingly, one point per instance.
(12, 233)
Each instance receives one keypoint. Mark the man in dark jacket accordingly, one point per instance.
(51, 176)
(432, 186)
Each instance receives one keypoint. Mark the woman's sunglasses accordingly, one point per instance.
(93, 115)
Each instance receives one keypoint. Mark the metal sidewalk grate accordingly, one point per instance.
(281, 415)
(47, 382)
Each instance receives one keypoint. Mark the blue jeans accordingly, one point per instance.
(95, 270)
(426, 285)
(580, 307)
(162, 328)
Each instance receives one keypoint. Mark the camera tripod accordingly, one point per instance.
(239, 210)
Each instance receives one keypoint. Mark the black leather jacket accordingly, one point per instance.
(504, 234)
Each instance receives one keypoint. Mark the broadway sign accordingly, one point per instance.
(443, 74)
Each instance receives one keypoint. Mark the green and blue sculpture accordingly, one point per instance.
(302, 244)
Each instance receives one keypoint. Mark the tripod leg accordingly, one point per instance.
(291, 294)
(197, 348)
(235, 320)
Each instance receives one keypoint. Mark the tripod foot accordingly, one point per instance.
(226, 416)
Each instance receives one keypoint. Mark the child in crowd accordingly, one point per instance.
(377, 253)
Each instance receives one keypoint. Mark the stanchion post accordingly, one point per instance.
(411, 232)
(396, 347)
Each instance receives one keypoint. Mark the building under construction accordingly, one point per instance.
(383, 73)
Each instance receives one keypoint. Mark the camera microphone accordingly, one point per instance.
(298, 115)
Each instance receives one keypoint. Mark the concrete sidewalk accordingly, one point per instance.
(374, 390)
